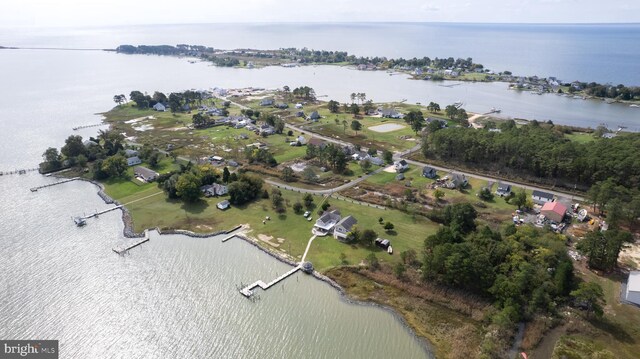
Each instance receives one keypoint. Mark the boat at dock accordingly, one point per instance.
(79, 221)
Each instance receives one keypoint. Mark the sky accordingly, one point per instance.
(70, 13)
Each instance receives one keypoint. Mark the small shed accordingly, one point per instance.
(383, 243)
(632, 290)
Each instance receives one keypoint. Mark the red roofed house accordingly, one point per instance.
(555, 211)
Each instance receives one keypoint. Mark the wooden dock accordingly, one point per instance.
(18, 172)
(122, 249)
(35, 189)
(87, 126)
(248, 290)
(101, 212)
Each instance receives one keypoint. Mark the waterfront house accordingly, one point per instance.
(145, 174)
(540, 197)
(632, 290)
(132, 161)
(267, 102)
(390, 113)
(429, 172)
(326, 222)
(159, 107)
(360, 155)
(503, 189)
(401, 166)
(223, 205)
(130, 153)
(376, 161)
(343, 227)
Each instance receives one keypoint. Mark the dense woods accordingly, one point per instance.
(540, 151)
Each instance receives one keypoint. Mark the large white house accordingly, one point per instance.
(324, 225)
(632, 292)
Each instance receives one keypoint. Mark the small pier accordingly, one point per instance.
(35, 189)
(248, 290)
(83, 219)
(87, 126)
(122, 249)
(18, 172)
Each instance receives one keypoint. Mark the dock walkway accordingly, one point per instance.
(122, 249)
(18, 172)
(248, 290)
(35, 189)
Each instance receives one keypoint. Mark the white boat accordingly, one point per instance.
(582, 215)
(79, 221)
(634, 105)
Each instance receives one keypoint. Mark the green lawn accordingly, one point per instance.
(151, 211)
(580, 137)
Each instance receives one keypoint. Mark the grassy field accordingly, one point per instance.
(293, 228)
(580, 137)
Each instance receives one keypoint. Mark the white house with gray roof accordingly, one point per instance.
(343, 227)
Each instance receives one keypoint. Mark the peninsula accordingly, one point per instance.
(486, 235)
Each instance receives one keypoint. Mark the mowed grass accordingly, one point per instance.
(151, 210)
(580, 137)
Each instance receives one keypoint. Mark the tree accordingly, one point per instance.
(353, 97)
(415, 119)
(333, 106)
(433, 107)
(461, 217)
(451, 111)
(160, 97)
(115, 166)
(387, 156)
(354, 109)
(141, 100)
(590, 296)
(278, 125)
(111, 141)
(308, 174)
(297, 207)
(485, 194)
(308, 201)
(325, 205)
(399, 270)
(520, 199)
(246, 188)
(287, 174)
(367, 107)
(154, 159)
(356, 126)
(365, 165)
(369, 236)
(603, 248)
(277, 202)
(188, 187)
(175, 102)
(409, 257)
(52, 160)
(169, 186)
(438, 194)
(344, 126)
(73, 146)
(373, 261)
(199, 120)
(388, 227)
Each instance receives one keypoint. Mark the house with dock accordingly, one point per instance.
(324, 225)
(342, 228)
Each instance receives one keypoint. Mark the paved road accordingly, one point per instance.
(324, 191)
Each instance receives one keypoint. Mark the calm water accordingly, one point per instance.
(176, 296)
(601, 53)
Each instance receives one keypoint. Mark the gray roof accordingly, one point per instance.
(541, 194)
(314, 115)
(503, 187)
(389, 112)
(145, 172)
(328, 216)
(347, 222)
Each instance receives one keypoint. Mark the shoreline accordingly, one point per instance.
(286, 259)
